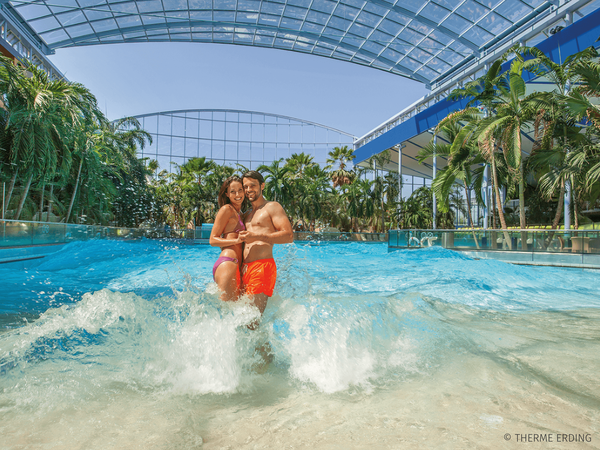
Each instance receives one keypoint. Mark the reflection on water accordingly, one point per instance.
(126, 345)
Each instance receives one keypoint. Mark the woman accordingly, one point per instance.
(224, 234)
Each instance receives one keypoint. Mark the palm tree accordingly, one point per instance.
(556, 121)
(481, 92)
(379, 161)
(41, 114)
(277, 185)
(465, 165)
(341, 156)
(313, 193)
(298, 163)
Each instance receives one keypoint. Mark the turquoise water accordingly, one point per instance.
(111, 344)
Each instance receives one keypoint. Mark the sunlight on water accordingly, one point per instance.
(113, 344)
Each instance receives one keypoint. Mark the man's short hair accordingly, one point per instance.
(254, 175)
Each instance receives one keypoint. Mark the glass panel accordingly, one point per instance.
(513, 11)
(46, 24)
(200, 4)
(71, 18)
(339, 23)
(178, 126)
(256, 151)
(270, 152)
(224, 4)
(175, 5)
(231, 152)
(191, 127)
(205, 129)
(55, 36)
(478, 36)
(368, 19)
(150, 6)
(205, 148)
(270, 133)
(218, 130)
(130, 21)
(456, 23)
(163, 144)
(258, 133)
(164, 124)
(324, 6)
(360, 30)
(231, 129)
(104, 25)
(191, 148)
(347, 12)
(292, 24)
(244, 152)
(31, 11)
(472, 10)
(434, 12)
(317, 17)
(294, 12)
(218, 150)
(164, 163)
(283, 151)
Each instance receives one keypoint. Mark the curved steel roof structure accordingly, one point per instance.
(425, 40)
(250, 138)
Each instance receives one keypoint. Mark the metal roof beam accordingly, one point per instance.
(428, 22)
(189, 23)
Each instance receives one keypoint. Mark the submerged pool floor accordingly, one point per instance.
(110, 344)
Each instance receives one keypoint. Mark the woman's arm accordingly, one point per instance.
(223, 216)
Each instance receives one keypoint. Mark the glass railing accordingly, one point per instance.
(339, 236)
(556, 241)
(14, 233)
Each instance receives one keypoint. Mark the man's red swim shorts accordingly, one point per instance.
(259, 277)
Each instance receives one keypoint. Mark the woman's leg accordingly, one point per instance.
(227, 278)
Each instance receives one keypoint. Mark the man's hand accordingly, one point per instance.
(248, 236)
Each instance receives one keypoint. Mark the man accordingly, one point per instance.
(266, 224)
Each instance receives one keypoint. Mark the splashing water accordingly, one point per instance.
(110, 344)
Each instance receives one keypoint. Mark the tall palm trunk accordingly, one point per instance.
(24, 197)
(559, 210)
(523, 223)
(382, 215)
(468, 197)
(74, 191)
(494, 208)
(499, 203)
(575, 211)
(41, 207)
(50, 201)
(11, 187)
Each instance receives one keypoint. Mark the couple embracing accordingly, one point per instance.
(246, 264)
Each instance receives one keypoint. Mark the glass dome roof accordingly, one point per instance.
(424, 40)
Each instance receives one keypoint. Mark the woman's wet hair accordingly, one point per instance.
(254, 175)
(223, 199)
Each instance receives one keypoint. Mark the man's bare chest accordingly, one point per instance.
(260, 220)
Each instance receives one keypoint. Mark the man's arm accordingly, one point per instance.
(284, 233)
(283, 228)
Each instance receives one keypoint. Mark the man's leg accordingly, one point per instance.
(260, 301)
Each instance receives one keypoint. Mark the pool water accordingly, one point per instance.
(125, 345)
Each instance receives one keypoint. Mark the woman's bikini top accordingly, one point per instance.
(239, 226)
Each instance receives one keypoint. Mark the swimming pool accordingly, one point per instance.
(113, 344)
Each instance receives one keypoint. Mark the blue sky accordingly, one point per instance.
(133, 79)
